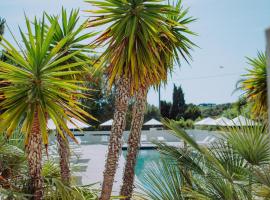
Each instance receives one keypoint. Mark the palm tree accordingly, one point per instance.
(37, 90)
(254, 84)
(133, 61)
(67, 27)
(177, 47)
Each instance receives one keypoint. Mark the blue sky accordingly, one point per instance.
(228, 31)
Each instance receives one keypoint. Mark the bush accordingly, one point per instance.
(185, 124)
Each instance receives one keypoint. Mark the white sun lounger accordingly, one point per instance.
(161, 139)
(205, 141)
(104, 138)
(212, 140)
(144, 138)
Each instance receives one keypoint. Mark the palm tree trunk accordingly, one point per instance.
(133, 143)
(64, 153)
(34, 157)
(118, 127)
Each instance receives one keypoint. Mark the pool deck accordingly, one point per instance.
(96, 154)
(149, 145)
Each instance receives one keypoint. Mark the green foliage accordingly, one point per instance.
(14, 180)
(166, 185)
(252, 143)
(179, 109)
(234, 167)
(67, 26)
(101, 103)
(142, 38)
(185, 124)
(178, 105)
(151, 111)
(254, 84)
(192, 112)
(38, 83)
(165, 109)
(215, 111)
(55, 189)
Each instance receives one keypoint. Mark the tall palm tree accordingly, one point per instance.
(67, 26)
(133, 60)
(38, 89)
(254, 84)
(177, 47)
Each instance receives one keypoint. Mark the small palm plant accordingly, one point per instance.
(254, 84)
(234, 167)
(67, 27)
(37, 88)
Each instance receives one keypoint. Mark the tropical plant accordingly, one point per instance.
(254, 84)
(173, 45)
(37, 89)
(234, 167)
(142, 38)
(133, 62)
(67, 27)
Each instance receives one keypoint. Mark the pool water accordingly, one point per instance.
(145, 157)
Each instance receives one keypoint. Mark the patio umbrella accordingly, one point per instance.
(243, 121)
(223, 121)
(153, 122)
(107, 123)
(207, 122)
(79, 124)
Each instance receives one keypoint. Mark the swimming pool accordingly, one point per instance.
(145, 157)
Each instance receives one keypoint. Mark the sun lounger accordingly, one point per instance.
(205, 141)
(212, 140)
(144, 138)
(161, 139)
(104, 138)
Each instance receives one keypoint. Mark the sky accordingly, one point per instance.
(228, 31)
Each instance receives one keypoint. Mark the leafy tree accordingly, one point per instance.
(178, 105)
(215, 111)
(151, 111)
(192, 112)
(39, 88)
(165, 109)
(101, 103)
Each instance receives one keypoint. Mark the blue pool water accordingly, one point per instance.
(145, 157)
